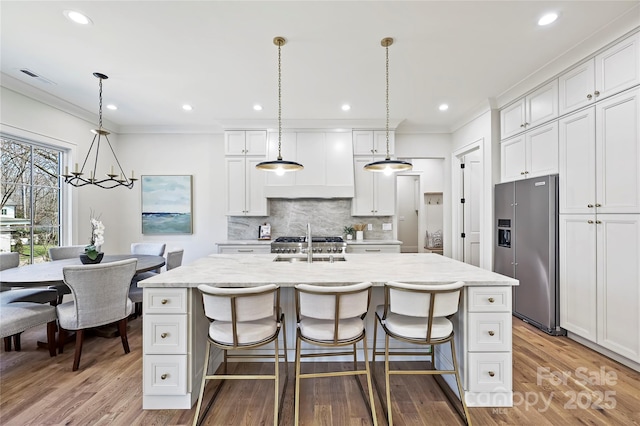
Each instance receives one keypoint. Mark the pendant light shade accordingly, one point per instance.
(279, 166)
(388, 165)
(115, 178)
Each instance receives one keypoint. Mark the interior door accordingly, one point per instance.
(472, 189)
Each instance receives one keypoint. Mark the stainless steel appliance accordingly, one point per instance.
(318, 245)
(526, 248)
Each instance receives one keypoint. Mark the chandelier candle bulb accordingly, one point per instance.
(112, 169)
(76, 169)
(66, 170)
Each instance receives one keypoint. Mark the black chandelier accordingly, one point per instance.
(112, 180)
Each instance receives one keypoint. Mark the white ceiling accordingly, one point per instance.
(219, 56)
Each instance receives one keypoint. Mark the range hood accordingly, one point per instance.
(327, 158)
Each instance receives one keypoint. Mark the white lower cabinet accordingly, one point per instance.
(600, 280)
(373, 248)
(489, 328)
(165, 345)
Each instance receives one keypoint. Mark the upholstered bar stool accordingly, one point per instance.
(332, 316)
(240, 319)
(418, 314)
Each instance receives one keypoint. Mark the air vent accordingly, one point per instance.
(36, 76)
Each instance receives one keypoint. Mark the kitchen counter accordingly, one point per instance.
(243, 242)
(373, 242)
(175, 327)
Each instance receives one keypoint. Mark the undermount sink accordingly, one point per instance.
(325, 258)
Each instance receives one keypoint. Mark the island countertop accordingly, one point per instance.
(233, 270)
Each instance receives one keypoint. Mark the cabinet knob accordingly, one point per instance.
(589, 96)
(589, 221)
(526, 172)
(598, 205)
(164, 335)
(526, 124)
(164, 301)
(522, 173)
(598, 221)
(164, 376)
(590, 206)
(491, 300)
(522, 125)
(491, 373)
(596, 93)
(491, 333)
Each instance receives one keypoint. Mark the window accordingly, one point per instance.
(31, 198)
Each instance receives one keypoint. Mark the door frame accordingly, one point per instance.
(457, 244)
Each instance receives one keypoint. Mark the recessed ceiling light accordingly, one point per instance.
(112, 107)
(443, 107)
(77, 17)
(346, 107)
(187, 107)
(547, 19)
(257, 107)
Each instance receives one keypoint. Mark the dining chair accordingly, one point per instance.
(332, 316)
(61, 253)
(241, 319)
(100, 296)
(20, 316)
(418, 314)
(174, 259)
(10, 295)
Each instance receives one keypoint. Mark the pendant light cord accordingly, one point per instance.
(387, 97)
(279, 103)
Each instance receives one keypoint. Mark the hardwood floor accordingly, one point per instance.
(556, 381)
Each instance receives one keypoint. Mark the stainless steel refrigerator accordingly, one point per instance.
(526, 248)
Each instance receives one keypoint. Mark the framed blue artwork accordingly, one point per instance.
(167, 204)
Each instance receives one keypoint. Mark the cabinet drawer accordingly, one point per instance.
(165, 300)
(489, 332)
(165, 334)
(489, 372)
(373, 248)
(245, 249)
(165, 375)
(489, 299)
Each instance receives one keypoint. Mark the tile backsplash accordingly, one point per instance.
(289, 217)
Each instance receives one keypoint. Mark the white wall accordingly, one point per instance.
(201, 156)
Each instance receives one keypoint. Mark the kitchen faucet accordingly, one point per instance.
(309, 248)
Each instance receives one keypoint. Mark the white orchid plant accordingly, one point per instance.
(96, 240)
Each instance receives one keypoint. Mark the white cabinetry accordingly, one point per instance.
(600, 157)
(534, 109)
(165, 337)
(373, 248)
(375, 193)
(373, 142)
(245, 184)
(610, 72)
(600, 224)
(327, 160)
(599, 276)
(489, 362)
(533, 153)
(244, 249)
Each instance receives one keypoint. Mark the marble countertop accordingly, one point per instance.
(244, 242)
(258, 269)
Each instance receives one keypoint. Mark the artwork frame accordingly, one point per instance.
(167, 204)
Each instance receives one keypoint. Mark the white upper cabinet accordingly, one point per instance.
(327, 158)
(531, 154)
(375, 193)
(600, 157)
(612, 71)
(534, 109)
(373, 143)
(245, 142)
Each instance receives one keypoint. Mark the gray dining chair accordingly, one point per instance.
(100, 297)
(10, 295)
(20, 316)
(61, 253)
(174, 259)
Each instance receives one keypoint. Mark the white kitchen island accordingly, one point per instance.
(175, 328)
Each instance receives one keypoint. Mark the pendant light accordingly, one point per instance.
(388, 165)
(279, 166)
(112, 180)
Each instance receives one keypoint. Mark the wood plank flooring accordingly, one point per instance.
(556, 382)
